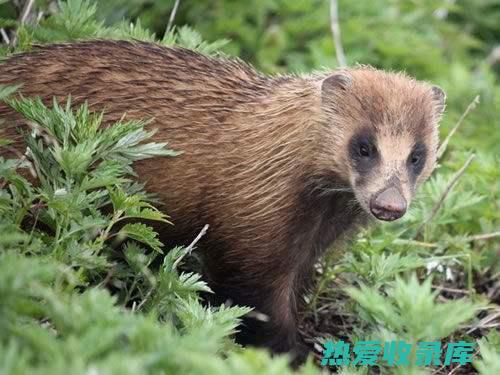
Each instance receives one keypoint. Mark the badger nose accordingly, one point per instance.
(388, 205)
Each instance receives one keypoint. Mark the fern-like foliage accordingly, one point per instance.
(78, 287)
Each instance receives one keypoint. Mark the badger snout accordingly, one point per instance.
(388, 204)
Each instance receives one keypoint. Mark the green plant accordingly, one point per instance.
(63, 254)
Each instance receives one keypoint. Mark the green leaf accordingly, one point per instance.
(142, 233)
(489, 349)
(410, 310)
(6, 91)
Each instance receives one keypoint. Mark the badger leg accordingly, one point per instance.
(270, 285)
(273, 322)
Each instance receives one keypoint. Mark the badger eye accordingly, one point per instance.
(415, 159)
(364, 150)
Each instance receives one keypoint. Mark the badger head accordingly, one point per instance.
(381, 135)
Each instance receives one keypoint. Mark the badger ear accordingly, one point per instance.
(335, 82)
(439, 99)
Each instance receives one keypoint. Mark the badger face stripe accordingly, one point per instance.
(363, 152)
(416, 160)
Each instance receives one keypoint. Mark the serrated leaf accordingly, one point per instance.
(142, 233)
(6, 91)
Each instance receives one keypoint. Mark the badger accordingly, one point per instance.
(280, 167)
